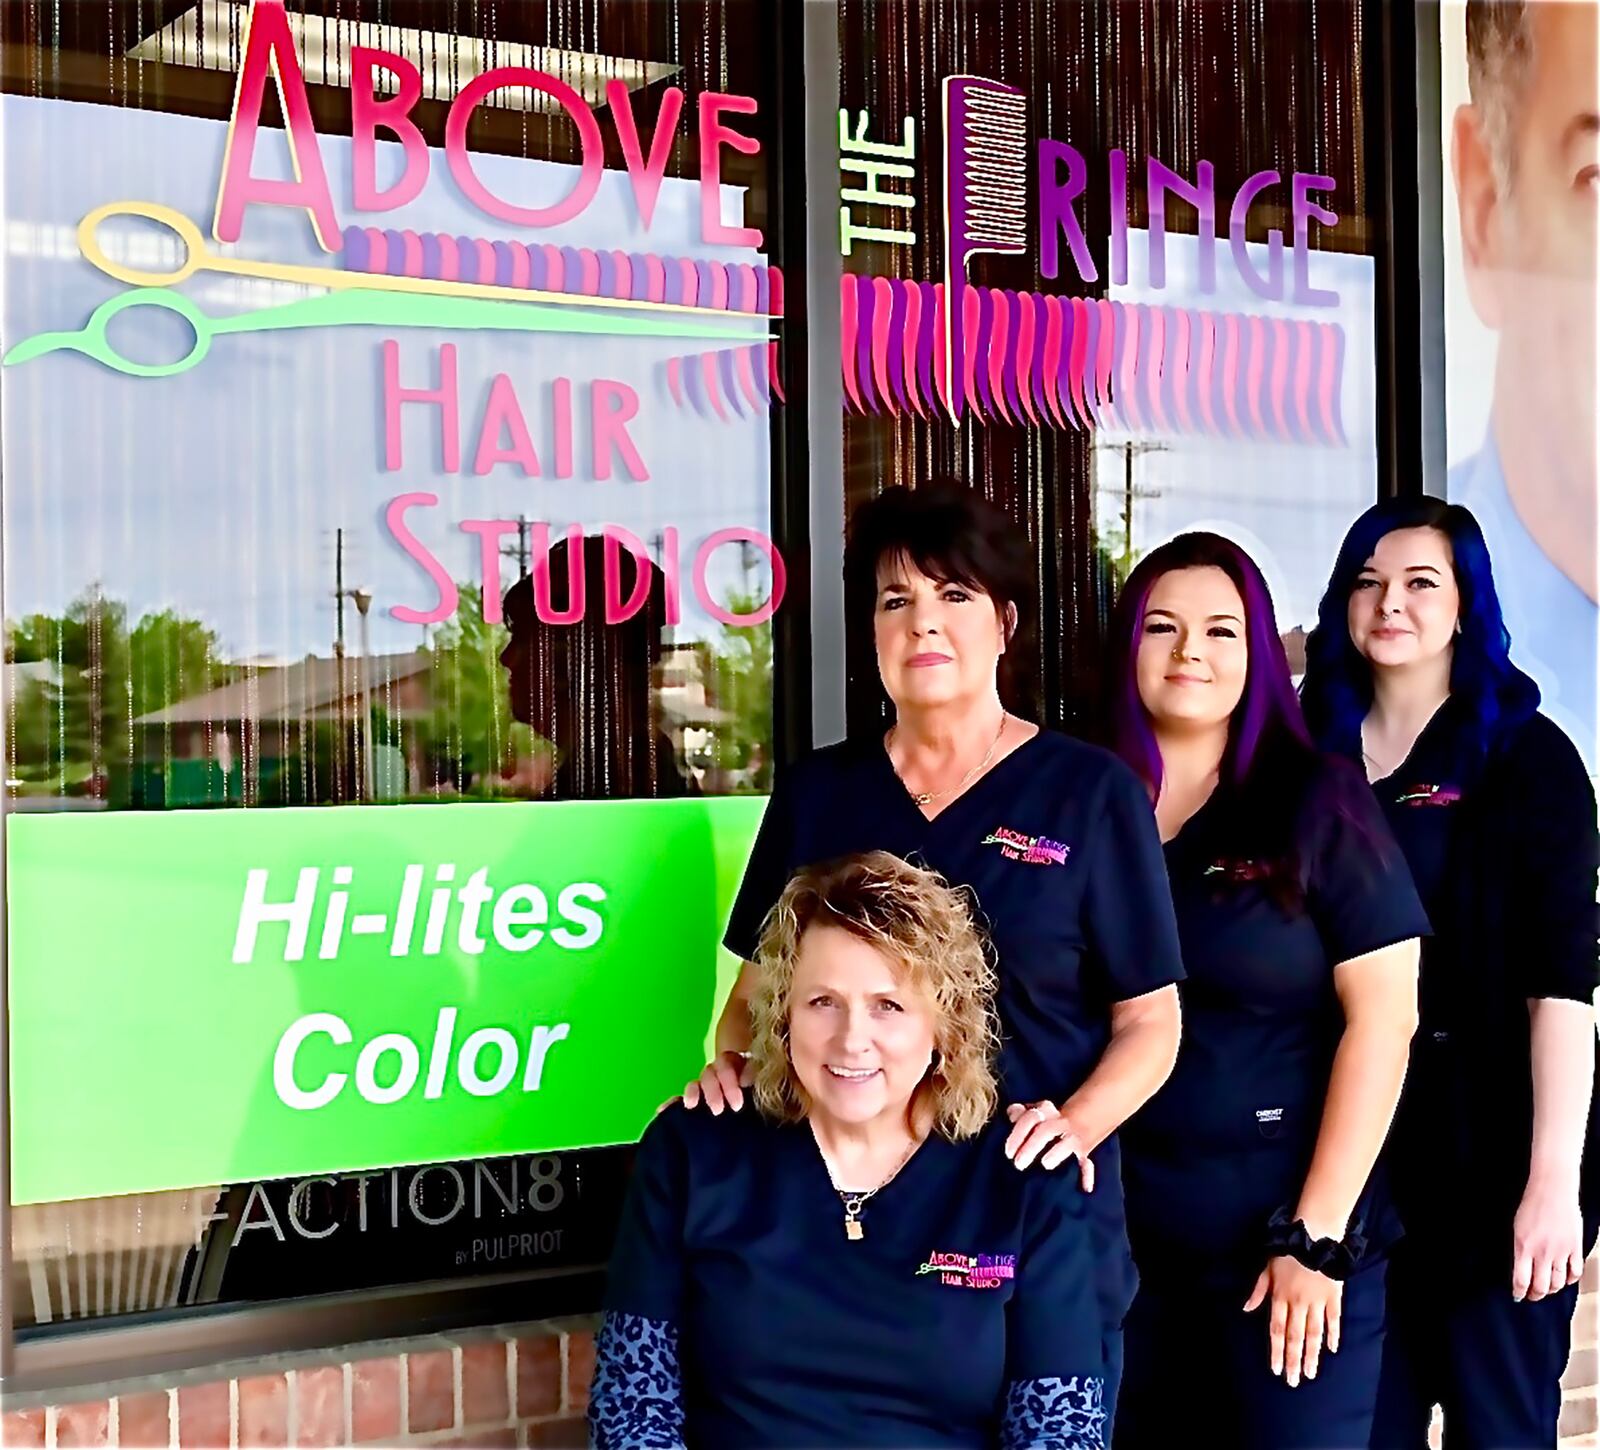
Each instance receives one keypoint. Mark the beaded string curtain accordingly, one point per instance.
(1245, 84)
(160, 55)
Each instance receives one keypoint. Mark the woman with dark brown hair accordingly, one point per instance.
(1053, 837)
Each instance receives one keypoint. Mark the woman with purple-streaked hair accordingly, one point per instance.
(1258, 1221)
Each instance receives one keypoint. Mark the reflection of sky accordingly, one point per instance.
(1289, 505)
(217, 492)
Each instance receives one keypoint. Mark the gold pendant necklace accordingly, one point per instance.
(928, 797)
(854, 1229)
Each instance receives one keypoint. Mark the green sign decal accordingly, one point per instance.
(212, 997)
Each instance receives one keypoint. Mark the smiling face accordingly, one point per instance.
(860, 1038)
(1193, 660)
(938, 642)
(1405, 603)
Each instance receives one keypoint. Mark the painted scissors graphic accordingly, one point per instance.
(350, 298)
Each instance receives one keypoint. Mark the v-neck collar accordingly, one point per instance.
(1425, 736)
(897, 787)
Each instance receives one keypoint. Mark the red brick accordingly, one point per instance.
(85, 1424)
(264, 1410)
(1580, 1370)
(319, 1406)
(431, 1391)
(580, 1370)
(203, 1415)
(538, 1376)
(22, 1428)
(374, 1400)
(567, 1434)
(485, 1400)
(144, 1420)
(1578, 1416)
(502, 1439)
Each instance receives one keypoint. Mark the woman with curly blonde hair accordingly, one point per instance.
(855, 1263)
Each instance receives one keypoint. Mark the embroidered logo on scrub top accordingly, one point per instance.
(1269, 1121)
(1239, 872)
(971, 1271)
(1035, 850)
(1429, 795)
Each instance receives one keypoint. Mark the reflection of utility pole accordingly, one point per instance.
(362, 598)
(747, 562)
(1129, 451)
(338, 597)
(519, 551)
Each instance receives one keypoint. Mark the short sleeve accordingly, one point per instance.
(1359, 890)
(1127, 902)
(1053, 1322)
(647, 1263)
(766, 873)
(1554, 847)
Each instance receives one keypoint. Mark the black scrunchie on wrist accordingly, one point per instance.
(1337, 1258)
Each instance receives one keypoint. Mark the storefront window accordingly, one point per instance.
(1159, 226)
(391, 568)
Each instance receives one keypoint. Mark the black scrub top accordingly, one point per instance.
(1229, 1137)
(1503, 845)
(1057, 843)
(971, 1277)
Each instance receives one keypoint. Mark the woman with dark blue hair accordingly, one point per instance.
(1257, 1224)
(1495, 1148)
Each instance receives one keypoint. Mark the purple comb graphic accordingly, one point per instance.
(985, 197)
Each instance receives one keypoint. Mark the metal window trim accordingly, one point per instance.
(824, 380)
(207, 1344)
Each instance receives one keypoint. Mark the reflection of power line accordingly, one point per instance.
(362, 599)
(1129, 451)
(519, 550)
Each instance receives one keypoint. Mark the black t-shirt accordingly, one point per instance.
(971, 1277)
(1504, 847)
(1059, 846)
(1229, 1137)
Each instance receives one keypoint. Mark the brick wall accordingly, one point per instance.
(1579, 1423)
(522, 1386)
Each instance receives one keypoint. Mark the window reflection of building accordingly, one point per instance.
(295, 729)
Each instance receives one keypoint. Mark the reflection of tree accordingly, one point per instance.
(471, 742)
(72, 722)
(744, 691)
(171, 658)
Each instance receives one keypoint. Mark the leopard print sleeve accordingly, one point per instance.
(636, 1396)
(1055, 1414)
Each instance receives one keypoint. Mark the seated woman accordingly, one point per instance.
(857, 1263)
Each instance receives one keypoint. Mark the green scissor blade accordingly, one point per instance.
(377, 308)
(358, 306)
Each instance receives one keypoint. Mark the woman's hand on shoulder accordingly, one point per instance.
(1041, 1133)
(722, 1083)
(1304, 1316)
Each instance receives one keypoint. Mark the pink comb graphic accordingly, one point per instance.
(985, 199)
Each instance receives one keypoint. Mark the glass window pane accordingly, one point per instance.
(391, 562)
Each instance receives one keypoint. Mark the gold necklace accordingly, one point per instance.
(928, 797)
(854, 1229)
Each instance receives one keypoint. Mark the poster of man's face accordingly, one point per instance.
(1520, 82)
